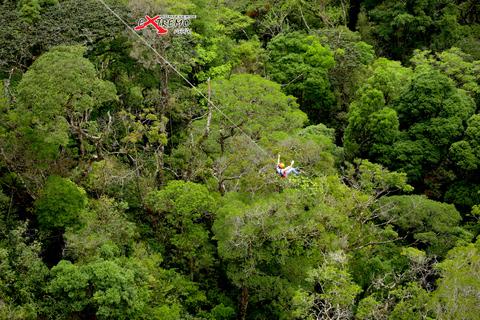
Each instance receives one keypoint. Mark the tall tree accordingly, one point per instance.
(56, 97)
(373, 120)
(432, 114)
(23, 274)
(102, 288)
(180, 207)
(58, 94)
(253, 105)
(300, 64)
(263, 240)
(370, 123)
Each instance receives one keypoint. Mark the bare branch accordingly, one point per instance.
(303, 18)
(285, 85)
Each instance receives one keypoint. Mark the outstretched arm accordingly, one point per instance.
(278, 161)
(289, 167)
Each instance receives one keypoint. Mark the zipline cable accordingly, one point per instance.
(181, 75)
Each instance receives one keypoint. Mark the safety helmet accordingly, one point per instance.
(281, 165)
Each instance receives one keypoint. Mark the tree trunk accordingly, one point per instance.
(243, 298)
(209, 116)
(191, 268)
(221, 140)
(164, 100)
(160, 164)
(220, 188)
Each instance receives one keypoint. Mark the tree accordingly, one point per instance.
(270, 20)
(453, 63)
(433, 225)
(102, 224)
(59, 203)
(177, 52)
(400, 27)
(22, 275)
(465, 154)
(101, 288)
(93, 26)
(30, 9)
(272, 241)
(323, 135)
(407, 301)
(218, 52)
(457, 294)
(248, 57)
(253, 105)
(352, 59)
(432, 113)
(263, 243)
(334, 294)
(62, 87)
(164, 286)
(180, 206)
(365, 183)
(58, 94)
(390, 77)
(15, 46)
(300, 64)
(370, 123)
(464, 195)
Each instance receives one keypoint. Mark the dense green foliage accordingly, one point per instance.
(127, 194)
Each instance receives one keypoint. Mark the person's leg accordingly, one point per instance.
(292, 170)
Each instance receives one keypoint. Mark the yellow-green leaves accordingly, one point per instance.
(110, 288)
(336, 292)
(457, 294)
(105, 231)
(372, 178)
(453, 63)
(145, 124)
(316, 54)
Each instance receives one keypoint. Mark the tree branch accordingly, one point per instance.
(285, 85)
(19, 176)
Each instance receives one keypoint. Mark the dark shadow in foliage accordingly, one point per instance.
(464, 195)
(58, 206)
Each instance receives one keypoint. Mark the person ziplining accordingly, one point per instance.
(284, 172)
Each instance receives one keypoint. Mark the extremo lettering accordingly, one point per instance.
(179, 23)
